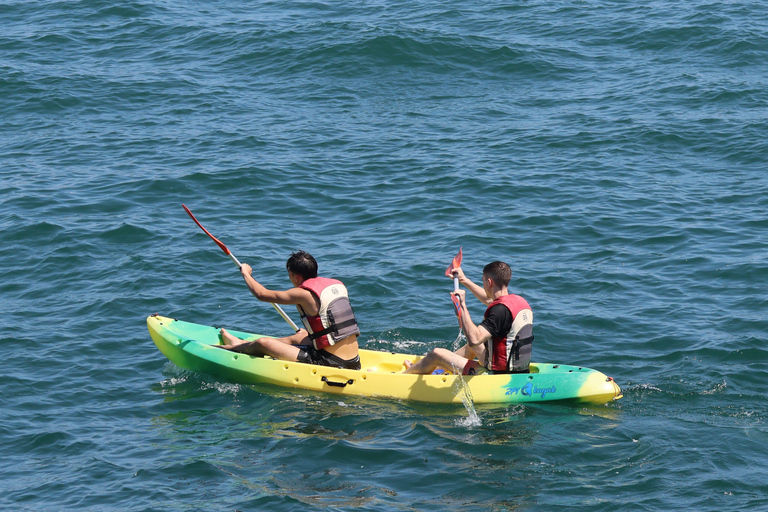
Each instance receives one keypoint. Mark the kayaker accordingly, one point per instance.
(330, 334)
(503, 340)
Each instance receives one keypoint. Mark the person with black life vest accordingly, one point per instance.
(502, 342)
(329, 337)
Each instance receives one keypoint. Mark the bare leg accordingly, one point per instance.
(276, 348)
(265, 346)
(466, 352)
(230, 341)
(438, 357)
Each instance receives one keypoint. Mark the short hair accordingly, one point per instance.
(302, 263)
(499, 272)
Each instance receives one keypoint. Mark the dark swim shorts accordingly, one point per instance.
(310, 355)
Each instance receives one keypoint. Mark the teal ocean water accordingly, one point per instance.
(613, 153)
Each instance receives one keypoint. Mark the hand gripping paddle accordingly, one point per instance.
(456, 263)
(232, 257)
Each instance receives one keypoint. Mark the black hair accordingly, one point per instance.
(302, 263)
(499, 272)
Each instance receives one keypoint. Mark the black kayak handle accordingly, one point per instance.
(337, 384)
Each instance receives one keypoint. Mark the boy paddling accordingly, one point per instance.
(329, 337)
(502, 342)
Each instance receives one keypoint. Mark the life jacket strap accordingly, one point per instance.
(333, 328)
(513, 361)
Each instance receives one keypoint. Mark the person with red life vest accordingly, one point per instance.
(501, 343)
(329, 337)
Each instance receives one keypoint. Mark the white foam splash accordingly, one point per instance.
(460, 341)
(404, 345)
(718, 388)
(469, 421)
(462, 391)
(224, 388)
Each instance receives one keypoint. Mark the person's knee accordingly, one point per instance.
(255, 347)
(440, 353)
(262, 343)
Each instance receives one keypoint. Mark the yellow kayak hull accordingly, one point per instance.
(192, 346)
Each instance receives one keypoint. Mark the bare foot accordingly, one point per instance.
(229, 340)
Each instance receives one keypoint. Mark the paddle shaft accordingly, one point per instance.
(239, 265)
(277, 307)
(456, 263)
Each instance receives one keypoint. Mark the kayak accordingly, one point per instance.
(193, 347)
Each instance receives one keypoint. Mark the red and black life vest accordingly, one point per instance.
(335, 319)
(512, 352)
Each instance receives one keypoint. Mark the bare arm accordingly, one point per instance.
(477, 335)
(292, 296)
(476, 290)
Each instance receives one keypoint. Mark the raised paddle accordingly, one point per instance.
(232, 257)
(455, 264)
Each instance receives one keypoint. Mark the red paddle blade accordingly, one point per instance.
(457, 303)
(218, 242)
(456, 263)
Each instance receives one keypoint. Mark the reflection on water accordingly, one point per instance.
(352, 451)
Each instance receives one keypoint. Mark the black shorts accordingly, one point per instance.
(310, 355)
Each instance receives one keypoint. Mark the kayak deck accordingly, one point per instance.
(193, 347)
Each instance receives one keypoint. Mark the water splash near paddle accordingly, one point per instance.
(461, 389)
(460, 341)
(460, 386)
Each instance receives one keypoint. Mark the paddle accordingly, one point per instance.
(465, 392)
(456, 263)
(232, 257)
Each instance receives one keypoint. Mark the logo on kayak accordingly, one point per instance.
(530, 390)
(335, 290)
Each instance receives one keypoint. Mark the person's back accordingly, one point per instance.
(330, 334)
(332, 327)
(509, 321)
(501, 343)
